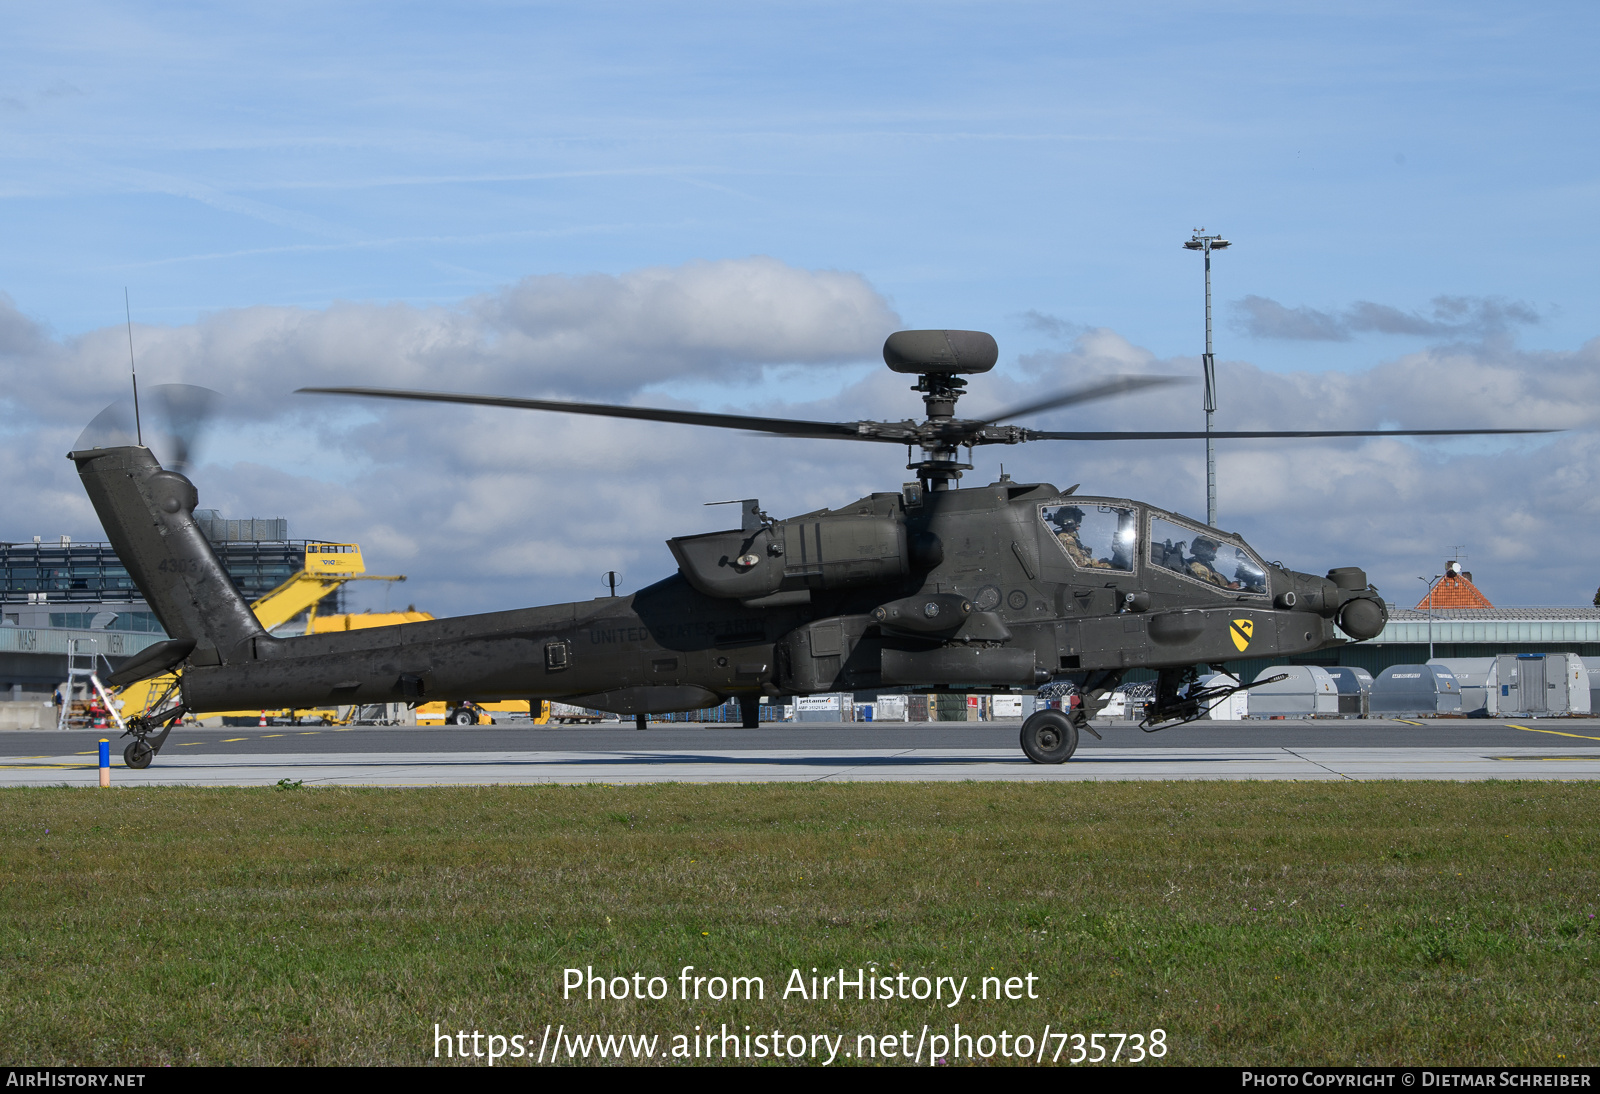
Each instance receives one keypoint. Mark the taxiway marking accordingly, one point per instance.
(1557, 732)
(1543, 759)
(48, 767)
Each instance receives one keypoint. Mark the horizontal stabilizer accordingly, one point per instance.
(152, 662)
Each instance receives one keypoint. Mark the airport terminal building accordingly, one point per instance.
(54, 592)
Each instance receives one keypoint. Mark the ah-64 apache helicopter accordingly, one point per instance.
(931, 587)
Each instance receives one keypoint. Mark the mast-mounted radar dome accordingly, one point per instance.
(947, 351)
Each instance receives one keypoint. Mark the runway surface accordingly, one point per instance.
(942, 751)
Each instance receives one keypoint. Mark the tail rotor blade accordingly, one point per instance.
(183, 410)
(175, 417)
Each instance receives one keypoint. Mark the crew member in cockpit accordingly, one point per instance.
(1201, 565)
(1067, 522)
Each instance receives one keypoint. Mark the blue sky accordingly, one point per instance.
(975, 161)
(1396, 178)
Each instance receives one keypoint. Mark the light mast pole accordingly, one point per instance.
(1199, 241)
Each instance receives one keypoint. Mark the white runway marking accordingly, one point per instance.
(840, 765)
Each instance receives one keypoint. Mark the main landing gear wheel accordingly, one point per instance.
(1049, 737)
(138, 755)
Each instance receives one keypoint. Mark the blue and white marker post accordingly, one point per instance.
(105, 762)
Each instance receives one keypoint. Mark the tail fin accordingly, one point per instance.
(148, 514)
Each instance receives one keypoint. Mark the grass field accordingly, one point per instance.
(1261, 923)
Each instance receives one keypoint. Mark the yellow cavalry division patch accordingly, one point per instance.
(1240, 632)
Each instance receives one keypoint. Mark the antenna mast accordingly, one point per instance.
(1199, 241)
(127, 310)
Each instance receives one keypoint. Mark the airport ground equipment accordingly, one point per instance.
(567, 714)
(931, 587)
(469, 712)
(1415, 690)
(462, 712)
(1522, 685)
(1355, 689)
(1294, 691)
(1534, 684)
(84, 700)
(1479, 681)
(1232, 707)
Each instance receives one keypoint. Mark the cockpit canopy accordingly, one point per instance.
(1102, 535)
(1205, 556)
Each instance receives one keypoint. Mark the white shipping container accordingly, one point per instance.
(824, 708)
(1543, 683)
(1006, 706)
(1479, 681)
(1307, 691)
(889, 708)
(1229, 708)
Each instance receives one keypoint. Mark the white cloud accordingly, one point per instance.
(597, 336)
(1449, 317)
(484, 508)
(488, 508)
(1525, 509)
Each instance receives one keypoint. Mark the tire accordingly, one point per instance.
(1049, 737)
(464, 718)
(138, 755)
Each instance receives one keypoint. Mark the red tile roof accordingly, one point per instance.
(1455, 591)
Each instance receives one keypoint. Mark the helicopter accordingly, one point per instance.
(931, 587)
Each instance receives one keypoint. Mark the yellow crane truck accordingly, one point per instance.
(327, 567)
(464, 713)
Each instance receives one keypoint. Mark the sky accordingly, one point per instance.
(729, 206)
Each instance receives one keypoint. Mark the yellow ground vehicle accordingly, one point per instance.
(477, 714)
(466, 713)
(327, 567)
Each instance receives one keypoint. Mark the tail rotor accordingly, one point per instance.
(178, 412)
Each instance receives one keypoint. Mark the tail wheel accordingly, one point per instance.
(1049, 737)
(138, 755)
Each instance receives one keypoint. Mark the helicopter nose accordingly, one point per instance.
(1363, 617)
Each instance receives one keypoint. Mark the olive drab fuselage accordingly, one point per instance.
(1005, 586)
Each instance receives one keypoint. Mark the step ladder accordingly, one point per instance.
(82, 686)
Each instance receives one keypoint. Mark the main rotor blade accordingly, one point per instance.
(787, 426)
(1117, 385)
(1247, 434)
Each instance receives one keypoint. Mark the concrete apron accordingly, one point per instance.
(849, 765)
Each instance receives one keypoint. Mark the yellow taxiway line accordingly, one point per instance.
(1557, 732)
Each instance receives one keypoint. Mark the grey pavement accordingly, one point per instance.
(815, 736)
(676, 752)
